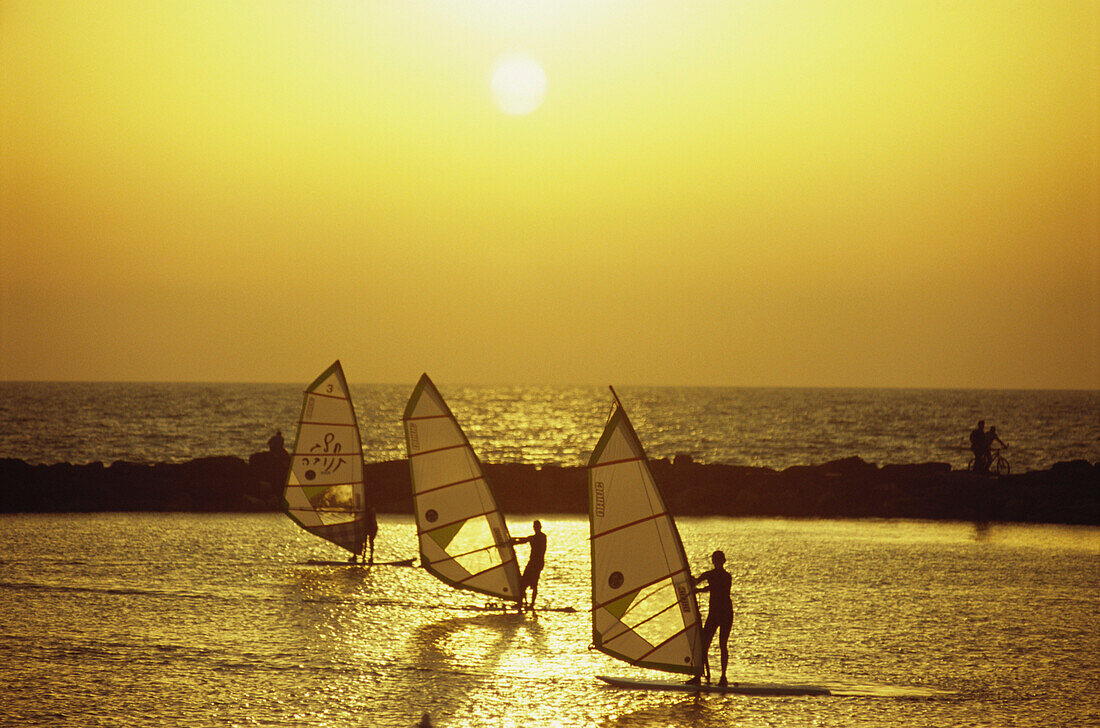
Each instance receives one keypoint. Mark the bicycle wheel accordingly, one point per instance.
(1001, 466)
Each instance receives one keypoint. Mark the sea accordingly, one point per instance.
(183, 619)
(50, 422)
(157, 619)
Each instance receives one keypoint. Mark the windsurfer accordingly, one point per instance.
(368, 538)
(719, 615)
(372, 531)
(530, 577)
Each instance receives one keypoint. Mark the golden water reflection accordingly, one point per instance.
(919, 622)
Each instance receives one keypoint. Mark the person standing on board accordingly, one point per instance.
(535, 563)
(371, 532)
(720, 613)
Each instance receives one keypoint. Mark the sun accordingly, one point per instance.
(518, 84)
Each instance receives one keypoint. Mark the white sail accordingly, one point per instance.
(324, 491)
(643, 602)
(464, 540)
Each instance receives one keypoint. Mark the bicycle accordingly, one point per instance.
(998, 465)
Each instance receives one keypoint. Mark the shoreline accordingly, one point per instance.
(1065, 493)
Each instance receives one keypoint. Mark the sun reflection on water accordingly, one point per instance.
(224, 623)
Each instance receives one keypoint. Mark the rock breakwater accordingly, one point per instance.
(1067, 493)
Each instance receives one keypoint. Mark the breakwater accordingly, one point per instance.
(1067, 492)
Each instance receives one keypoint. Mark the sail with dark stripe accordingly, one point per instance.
(324, 492)
(643, 603)
(464, 540)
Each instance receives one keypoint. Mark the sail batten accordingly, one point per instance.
(627, 525)
(643, 603)
(325, 492)
(422, 453)
(464, 540)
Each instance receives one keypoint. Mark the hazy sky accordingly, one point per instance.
(830, 193)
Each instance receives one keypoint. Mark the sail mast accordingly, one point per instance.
(464, 540)
(643, 602)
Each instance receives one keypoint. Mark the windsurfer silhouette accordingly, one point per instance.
(372, 531)
(530, 577)
(719, 615)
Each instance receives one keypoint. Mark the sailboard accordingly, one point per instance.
(464, 540)
(324, 562)
(775, 689)
(644, 610)
(325, 493)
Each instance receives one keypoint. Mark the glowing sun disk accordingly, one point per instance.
(518, 84)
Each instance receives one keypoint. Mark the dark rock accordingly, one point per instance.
(848, 488)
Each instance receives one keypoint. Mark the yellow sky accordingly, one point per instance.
(719, 193)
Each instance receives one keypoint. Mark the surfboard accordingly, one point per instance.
(740, 688)
(321, 562)
(511, 609)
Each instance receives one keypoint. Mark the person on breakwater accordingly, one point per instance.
(991, 437)
(719, 615)
(276, 444)
(979, 445)
(530, 577)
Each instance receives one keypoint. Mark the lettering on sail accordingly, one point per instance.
(326, 457)
(598, 499)
(414, 438)
(682, 592)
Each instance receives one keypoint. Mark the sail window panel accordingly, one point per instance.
(474, 547)
(478, 565)
(335, 504)
(655, 613)
(442, 470)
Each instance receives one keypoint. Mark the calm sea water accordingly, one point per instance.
(45, 422)
(191, 620)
